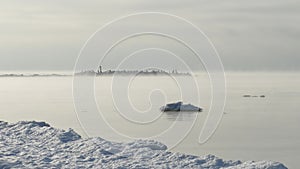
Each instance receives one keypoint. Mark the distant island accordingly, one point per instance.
(101, 72)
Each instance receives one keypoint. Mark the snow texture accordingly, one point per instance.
(38, 145)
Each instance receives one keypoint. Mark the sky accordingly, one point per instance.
(256, 35)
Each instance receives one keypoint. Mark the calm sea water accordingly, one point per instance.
(251, 129)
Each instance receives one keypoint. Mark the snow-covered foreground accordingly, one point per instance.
(38, 145)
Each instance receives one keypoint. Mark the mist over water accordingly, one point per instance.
(252, 128)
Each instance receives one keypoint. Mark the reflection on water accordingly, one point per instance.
(180, 115)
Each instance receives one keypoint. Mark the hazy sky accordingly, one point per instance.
(249, 35)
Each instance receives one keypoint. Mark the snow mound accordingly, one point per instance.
(38, 145)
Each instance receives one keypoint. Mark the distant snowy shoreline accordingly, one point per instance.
(33, 75)
(30, 144)
(90, 74)
(147, 72)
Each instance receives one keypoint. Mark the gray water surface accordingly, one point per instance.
(252, 128)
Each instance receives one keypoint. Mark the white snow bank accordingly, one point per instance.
(38, 145)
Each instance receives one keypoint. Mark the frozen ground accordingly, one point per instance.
(38, 145)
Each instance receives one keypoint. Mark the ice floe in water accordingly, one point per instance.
(38, 145)
(179, 106)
